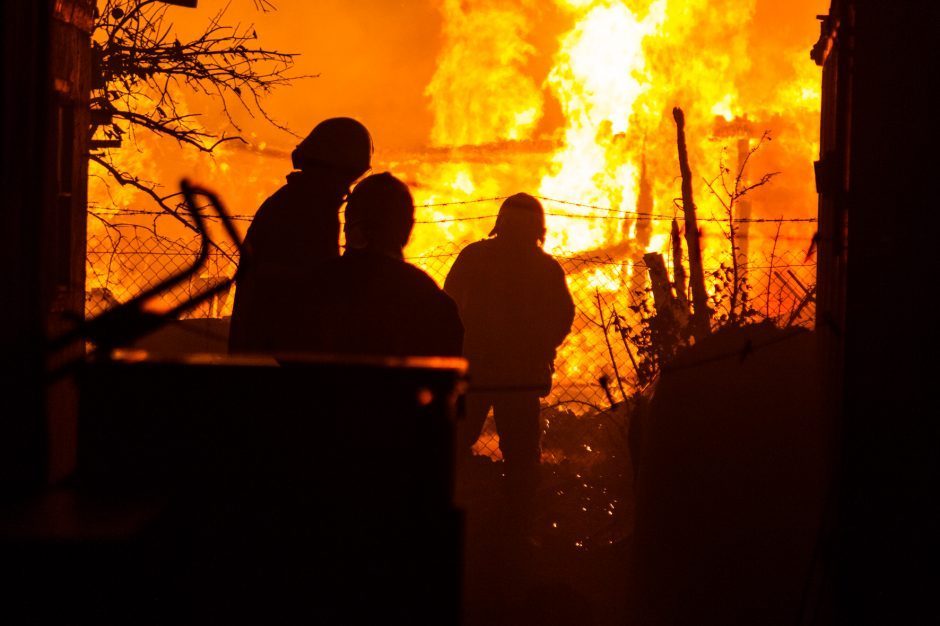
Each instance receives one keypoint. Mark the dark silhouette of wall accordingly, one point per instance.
(877, 247)
(46, 74)
(25, 52)
(731, 481)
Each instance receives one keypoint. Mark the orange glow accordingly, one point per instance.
(569, 99)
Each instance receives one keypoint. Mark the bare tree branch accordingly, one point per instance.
(729, 195)
(145, 70)
(149, 189)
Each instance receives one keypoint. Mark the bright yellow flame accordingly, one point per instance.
(598, 76)
(486, 41)
(575, 107)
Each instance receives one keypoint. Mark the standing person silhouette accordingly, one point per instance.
(370, 302)
(296, 229)
(516, 311)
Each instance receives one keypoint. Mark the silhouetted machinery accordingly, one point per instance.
(314, 489)
(232, 490)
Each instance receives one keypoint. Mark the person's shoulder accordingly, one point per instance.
(270, 207)
(482, 249)
(418, 276)
(278, 198)
(430, 298)
(265, 223)
(421, 281)
(483, 246)
(550, 262)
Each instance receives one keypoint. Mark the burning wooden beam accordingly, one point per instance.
(701, 313)
(663, 299)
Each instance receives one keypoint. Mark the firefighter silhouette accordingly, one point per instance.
(296, 229)
(516, 310)
(370, 301)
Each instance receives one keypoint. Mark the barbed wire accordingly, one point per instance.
(459, 202)
(471, 218)
(613, 214)
(443, 255)
(143, 212)
(128, 265)
(741, 220)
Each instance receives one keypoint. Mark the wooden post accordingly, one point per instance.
(669, 319)
(678, 270)
(659, 279)
(644, 209)
(701, 314)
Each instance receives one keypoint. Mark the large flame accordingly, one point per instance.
(619, 69)
(569, 100)
(488, 40)
(598, 77)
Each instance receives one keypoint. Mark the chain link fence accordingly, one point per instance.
(779, 287)
(119, 267)
(586, 490)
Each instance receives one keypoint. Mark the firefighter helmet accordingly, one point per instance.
(520, 216)
(339, 143)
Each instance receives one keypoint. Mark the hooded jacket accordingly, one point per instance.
(516, 310)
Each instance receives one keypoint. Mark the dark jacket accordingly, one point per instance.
(370, 304)
(516, 309)
(295, 230)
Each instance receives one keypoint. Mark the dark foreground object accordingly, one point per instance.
(732, 483)
(242, 491)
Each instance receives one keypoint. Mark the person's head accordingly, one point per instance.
(339, 147)
(380, 214)
(521, 220)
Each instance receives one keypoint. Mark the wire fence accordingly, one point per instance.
(586, 491)
(779, 287)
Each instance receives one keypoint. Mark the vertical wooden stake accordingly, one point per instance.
(701, 316)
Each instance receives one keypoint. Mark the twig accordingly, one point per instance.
(626, 346)
(610, 349)
(809, 297)
(145, 67)
(770, 272)
(126, 179)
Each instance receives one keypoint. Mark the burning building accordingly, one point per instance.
(472, 101)
(570, 101)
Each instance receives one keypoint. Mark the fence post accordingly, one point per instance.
(702, 314)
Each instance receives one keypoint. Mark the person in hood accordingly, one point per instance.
(295, 230)
(516, 310)
(370, 301)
